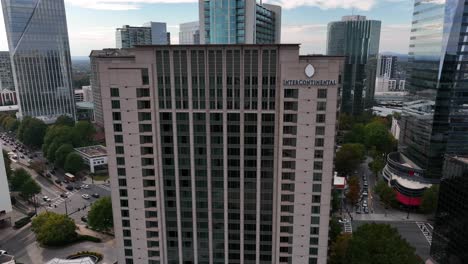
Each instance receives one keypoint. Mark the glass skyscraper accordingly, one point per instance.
(239, 22)
(151, 33)
(38, 42)
(358, 39)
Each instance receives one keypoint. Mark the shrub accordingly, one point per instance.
(22, 222)
(81, 238)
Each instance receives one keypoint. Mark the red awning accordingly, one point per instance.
(406, 200)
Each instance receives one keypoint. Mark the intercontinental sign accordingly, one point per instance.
(309, 72)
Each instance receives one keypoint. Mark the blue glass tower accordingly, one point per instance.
(239, 22)
(40, 52)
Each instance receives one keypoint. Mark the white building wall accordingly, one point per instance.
(5, 201)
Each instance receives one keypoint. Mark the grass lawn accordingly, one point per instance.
(101, 177)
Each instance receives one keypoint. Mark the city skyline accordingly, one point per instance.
(306, 23)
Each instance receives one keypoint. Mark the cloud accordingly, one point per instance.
(287, 4)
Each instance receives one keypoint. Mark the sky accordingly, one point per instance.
(92, 23)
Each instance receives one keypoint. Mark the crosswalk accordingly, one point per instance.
(425, 230)
(59, 200)
(348, 228)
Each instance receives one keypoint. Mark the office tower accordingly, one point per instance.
(5, 201)
(189, 33)
(358, 39)
(151, 33)
(239, 22)
(386, 66)
(450, 236)
(40, 55)
(435, 123)
(220, 153)
(6, 74)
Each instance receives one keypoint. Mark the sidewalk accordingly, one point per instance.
(392, 215)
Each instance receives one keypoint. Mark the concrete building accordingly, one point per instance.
(239, 22)
(386, 66)
(358, 39)
(85, 94)
(384, 85)
(8, 97)
(6, 73)
(151, 33)
(94, 157)
(5, 201)
(189, 33)
(223, 154)
(40, 54)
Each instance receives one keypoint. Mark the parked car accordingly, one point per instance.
(85, 196)
(96, 195)
(364, 193)
(3, 252)
(58, 181)
(46, 199)
(63, 195)
(69, 187)
(85, 186)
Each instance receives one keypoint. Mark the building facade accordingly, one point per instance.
(358, 39)
(220, 153)
(450, 236)
(8, 97)
(40, 54)
(189, 33)
(151, 33)
(239, 22)
(6, 73)
(386, 66)
(5, 201)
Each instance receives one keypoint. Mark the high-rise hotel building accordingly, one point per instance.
(220, 153)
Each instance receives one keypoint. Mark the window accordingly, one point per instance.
(315, 198)
(320, 131)
(144, 105)
(119, 150)
(143, 92)
(145, 128)
(121, 172)
(117, 127)
(322, 93)
(317, 176)
(321, 106)
(115, 104)
(144, 76)
(290, 130)
(289, 142)
(114, 92)
(320, 118)
(290, 118)
(146, 139)
(287, 187)
(144, 116)
(288, 176)
(319, 142)
(116, 116)
(118, 139)
(316, 187)
(124, 203)
(290, 106)
(291, 93)
(318, 154)
(318, 165)
(146, 150)
(316, 209)
(289, 153)
(289, 165)
(120, 161)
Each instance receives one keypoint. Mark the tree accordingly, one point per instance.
(59, 135)
(65, 120)
(378, 136)
(30, 188)
(338, 249)
(100, 215)
(429, 200)
(348, 158)
(379, 243)
(73, 163)
(356, 135)
(353, 189)
(53, 229)
(19, 177)
(345, 122)
(386, 193)
(335, 229)
(61, 154)
(31, 132)
(377, 164)
(85, 131)
(51, 151)
(336, 201)
(38, 166)
(7, 162)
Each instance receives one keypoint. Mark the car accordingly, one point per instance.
(22, 156)
(364, 193)
(343, 221)
(3, 252)
(58, 181)
(77, 187)
(46, 199)
(66, 181)
(366, 210)
(85, 186)
(365, 183)
(85, 196)
(364, 203)
(63, 195)
(96, 195)
(84, 219)
(69, 187)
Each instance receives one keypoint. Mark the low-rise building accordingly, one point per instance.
(5, 201)
(94, 156)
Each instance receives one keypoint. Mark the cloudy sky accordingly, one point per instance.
(92, 23)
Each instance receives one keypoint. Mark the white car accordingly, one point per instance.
(344, 221)
(85, 196)
(364, 203)
(46, 199)
(365, 193)
(85, 186)
(3, 252)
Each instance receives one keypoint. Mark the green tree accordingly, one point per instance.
(379, 243)
(73, 163)
(31, 132)
(61, 154)
(85, 131)
(19, 177)
(353, 189)
(336, 200)
(377, 164)
(348, 158)
(345, 121)
(386, 193)
(100, 215)
(53, 229)
(378, 136)
(356, 135)
(30, 188)
(338, 249)
(335, 229)
(429, 199)
(7, 162)
(65, 120)
(51, 151)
